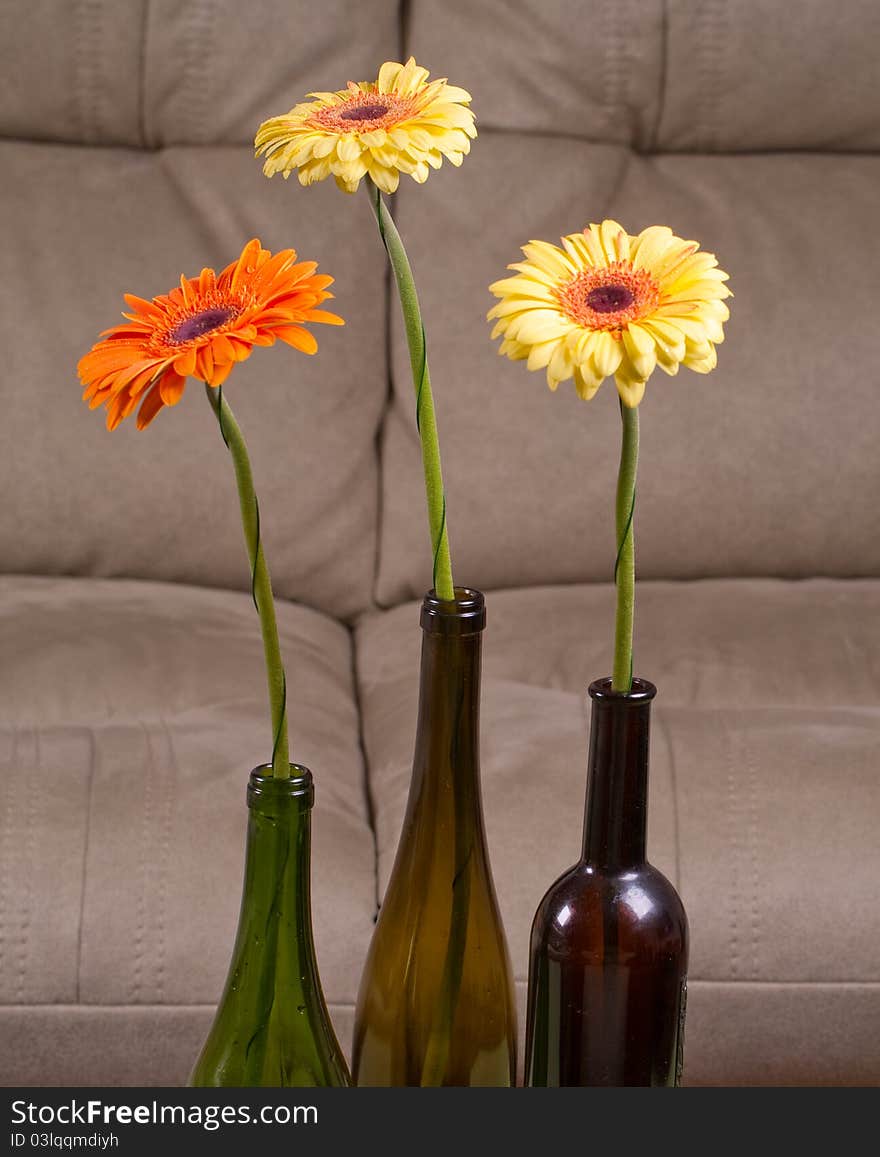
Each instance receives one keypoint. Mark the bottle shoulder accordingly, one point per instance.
(586, 905)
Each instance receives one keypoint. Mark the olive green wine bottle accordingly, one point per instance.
(436, 998)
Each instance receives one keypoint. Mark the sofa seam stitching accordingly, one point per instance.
(164, 853)
(734, 856)
(140, 917)
(752, 793)
(24, 939)
(667, 739)
(663, 78)
(367, 789)
(6, 834)
(144, 54)
(692, 980)
(80, 939)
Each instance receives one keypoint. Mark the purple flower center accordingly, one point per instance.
(610, 298)
(200, 323)
(363, 112)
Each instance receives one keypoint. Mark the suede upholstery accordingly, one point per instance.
(747, 816)
(791, 462)
(132, 701)
(131, 714)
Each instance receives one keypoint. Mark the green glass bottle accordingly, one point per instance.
(435, 1005)
(272, 1027)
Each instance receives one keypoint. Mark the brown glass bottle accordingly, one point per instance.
(608, 968)
(436, 998)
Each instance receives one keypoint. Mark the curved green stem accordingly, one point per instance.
(261, 584)
(439, 1045)
(425, 417)
(625, 564)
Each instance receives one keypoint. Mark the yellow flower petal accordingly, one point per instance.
(323, 147)
(586, 383)
(549, 258)
(582, 250)
(560, 366)
(384, 178)
(522, 287)
(412, 125)
(630, 387)
(641, 352)
(388, 74)
(650, 247)
(348, 149)
(538, 325)
(539, 355)
(608, 303)
(702, 362)
(607, 355)
(609, 233)
(669, 338)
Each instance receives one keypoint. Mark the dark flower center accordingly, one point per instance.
(200, 323)
(363, 112)
(610, 298)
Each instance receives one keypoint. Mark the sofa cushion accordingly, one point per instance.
(82, 226)
(764, 794)
(671, 75)
(161, 504)
(132, 716)
(158, 72)
(768, 466)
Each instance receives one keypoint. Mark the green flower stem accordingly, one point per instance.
(625, 565)
(440, 1041)
(425, 418)
(261, 584)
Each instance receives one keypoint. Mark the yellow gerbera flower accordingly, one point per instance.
(609, 303)
(399, 124)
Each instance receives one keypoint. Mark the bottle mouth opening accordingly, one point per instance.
(642, 691)
(266, 787)
(463, 615)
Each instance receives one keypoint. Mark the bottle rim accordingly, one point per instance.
(463, 615)
(641, 692)
(266, 787)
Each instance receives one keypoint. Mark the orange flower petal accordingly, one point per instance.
(325, 317)
(240, 349)
(204, 363)
(220, 374)
(222, 348)
(139, 305)
(185, 364)
(246, 264)
(274, 267)
(171, 387)
(151, 406)
(202, 327)
(299, 338)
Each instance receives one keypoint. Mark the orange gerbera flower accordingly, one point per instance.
(202, 329)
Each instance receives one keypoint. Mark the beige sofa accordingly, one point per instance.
(131, 688)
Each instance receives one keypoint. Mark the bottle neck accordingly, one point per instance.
(615, 823)
(448, 728)
(276, 901)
